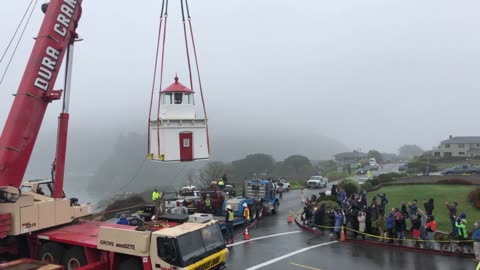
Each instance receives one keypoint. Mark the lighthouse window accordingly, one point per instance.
(187, 99)
(178, 98)
(167, 99)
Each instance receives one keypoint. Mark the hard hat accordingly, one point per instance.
(245, 205)
(229, 207)
(208, 195)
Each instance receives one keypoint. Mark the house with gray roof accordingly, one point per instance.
(349, 157)
(458, 146)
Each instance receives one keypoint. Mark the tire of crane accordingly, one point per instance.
(275, 208)
(51, 252)
(74, 258)
(130, 264)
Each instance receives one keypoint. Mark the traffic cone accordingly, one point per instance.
(290, 217)
(342, 235)
(246, 236)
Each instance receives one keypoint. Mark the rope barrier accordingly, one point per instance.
(390, 238)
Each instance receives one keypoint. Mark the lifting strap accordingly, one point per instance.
(198, 72)
(161, 40)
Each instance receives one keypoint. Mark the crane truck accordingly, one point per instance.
(49, 228)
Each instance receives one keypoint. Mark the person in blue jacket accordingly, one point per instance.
(339, 215)
(389, 222)
(123, 220)
(476, 241)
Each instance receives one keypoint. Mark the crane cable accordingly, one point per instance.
(198, 73)
(18, 42)
(186, 46)
(155, 75)
(162, 40)
(161, 76)
(16, 31)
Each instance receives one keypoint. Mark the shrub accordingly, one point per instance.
(418, 166)
(297, 184)
(454, 182)
(381, 179)
(334, 176)
(329, 205)
(474, 197)
(350, 186)
(325, 199)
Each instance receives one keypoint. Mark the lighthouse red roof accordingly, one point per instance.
(177, 87)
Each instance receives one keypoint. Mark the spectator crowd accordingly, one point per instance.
(379, 220)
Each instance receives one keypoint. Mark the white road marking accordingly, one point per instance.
(258, 266)
(261, 237)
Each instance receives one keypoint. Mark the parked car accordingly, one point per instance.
(231, 190)
(402, 168)
(317, 182)
(282, 182)
(373, 166)
(362, 171)
(462, 169)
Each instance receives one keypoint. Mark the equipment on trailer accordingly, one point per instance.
(260, 196)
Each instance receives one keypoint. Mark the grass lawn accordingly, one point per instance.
(440, 194)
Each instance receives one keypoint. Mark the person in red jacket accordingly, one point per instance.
(431, 228)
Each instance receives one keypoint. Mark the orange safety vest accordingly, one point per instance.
(246, 213)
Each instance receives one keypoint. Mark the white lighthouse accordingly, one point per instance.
(178, 135)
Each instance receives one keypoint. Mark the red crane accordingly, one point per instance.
(55, 40)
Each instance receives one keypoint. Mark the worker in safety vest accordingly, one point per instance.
(221, 184)
(229, 217)
(155, 195)
(246, 214)
(208, 204)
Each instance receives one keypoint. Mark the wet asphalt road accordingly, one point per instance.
(316, 252)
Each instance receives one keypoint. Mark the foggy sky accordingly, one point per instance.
(370, 74)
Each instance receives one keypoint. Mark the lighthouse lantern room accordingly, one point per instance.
(177, 135)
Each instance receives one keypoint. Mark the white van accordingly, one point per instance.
(317, 182)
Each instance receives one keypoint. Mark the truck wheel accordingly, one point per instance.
(275, 209)
(51, 252)
(130, 264)
(74, 258)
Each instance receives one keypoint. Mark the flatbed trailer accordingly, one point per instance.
(97, 245)
(27, 264)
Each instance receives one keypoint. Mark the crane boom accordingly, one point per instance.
(35, 92)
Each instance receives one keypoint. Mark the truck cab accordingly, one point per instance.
(185, 246)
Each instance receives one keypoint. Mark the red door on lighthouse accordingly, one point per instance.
(186, 146)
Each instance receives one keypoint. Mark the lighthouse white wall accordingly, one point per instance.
(170, 139)
(177, 111)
